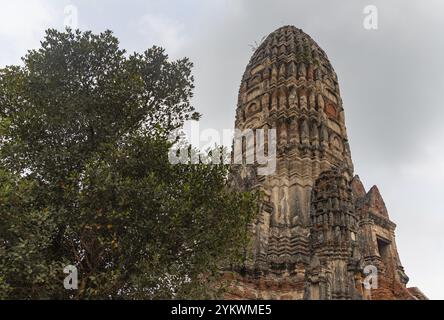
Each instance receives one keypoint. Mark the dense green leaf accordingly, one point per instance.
(85, 178)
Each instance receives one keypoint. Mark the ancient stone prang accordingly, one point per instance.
(318, 229)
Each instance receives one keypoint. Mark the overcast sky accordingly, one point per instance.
(391, 82)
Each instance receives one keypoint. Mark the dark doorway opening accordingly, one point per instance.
(384, 249)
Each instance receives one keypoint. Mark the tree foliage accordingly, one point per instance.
(85, 178)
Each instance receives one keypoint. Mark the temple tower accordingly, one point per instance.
(309, 240)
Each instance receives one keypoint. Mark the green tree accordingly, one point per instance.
(85, 178)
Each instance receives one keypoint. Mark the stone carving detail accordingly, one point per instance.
(318, 228)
